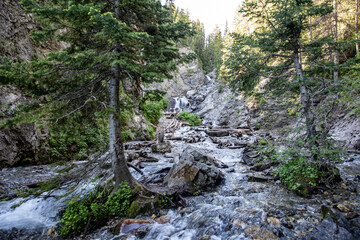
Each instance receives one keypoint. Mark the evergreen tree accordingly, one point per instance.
(115, 43)
(276, 50)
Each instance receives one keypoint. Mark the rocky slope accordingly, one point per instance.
(187, 77)
(15, 28)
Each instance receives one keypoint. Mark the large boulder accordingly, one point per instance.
(21, 145)
(328, 229)
(194, 171)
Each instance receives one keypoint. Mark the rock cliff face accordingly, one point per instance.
(21, 144)
(189, 76)
(15, 28)
(217, 105)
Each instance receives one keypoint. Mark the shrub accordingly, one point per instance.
(152, 104)
(191, 118)
(306, 169)
(94, 210)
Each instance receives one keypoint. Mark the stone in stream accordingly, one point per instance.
(256, 177)
(250, 158)
(328, 229)
(161, 147)
(194, 171)
(217, 133)
(132, 226)
(257, 233)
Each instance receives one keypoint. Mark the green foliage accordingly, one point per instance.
(95, 209)
(152, 104)
(191, 118)
(127, 135)
(305, 169)
(73, 81)
(151, 131)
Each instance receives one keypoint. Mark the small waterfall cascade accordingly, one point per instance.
(178, 104)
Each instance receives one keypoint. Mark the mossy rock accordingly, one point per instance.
(143, 205)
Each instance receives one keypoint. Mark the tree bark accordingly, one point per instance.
(336, 53)
(356, 25)
(305, 100)
(311, 40)
(119, 164)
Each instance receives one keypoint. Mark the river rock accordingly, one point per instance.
(130, 226)
(163, 220)
(194, 171)
(217, 133)
(161, 147)
(328, 229)
(257, 233)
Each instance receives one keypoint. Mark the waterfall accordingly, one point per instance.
(180, 103)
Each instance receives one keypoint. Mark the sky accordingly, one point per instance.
(211, 12)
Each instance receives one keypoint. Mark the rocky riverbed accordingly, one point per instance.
(240, 207)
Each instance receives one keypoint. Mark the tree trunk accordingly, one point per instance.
(311, 40)
(121, 171)
(356, 25)
(336, 53)
(305, 100)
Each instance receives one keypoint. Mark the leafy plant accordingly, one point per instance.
(152, 104)
(303, 170)
(192, 118)
(95, 209)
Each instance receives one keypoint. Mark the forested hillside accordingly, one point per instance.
(125, 119)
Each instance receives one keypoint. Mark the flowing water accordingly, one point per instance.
(237, 209)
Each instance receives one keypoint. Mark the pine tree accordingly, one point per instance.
(276, 50)
(119, 43)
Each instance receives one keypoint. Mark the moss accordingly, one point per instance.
(16, 205)
(143, 205)
(66, 169)
(53, 183)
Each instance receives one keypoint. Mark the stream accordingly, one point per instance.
(237, 209)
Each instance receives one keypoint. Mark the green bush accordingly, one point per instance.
(94, 210)
(305, 169)
(191, 118)
(298, 175)
(152, 104)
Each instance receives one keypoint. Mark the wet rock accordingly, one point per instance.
(161, 147)
(261, 167)
(185, 210)
(217, 133)
(194, 171)
(163, 220)
(343, 208)
(250, 158)
(357, 145)
(328, 229)
(130, 226)
(273, 221)
(256, 177)
(131, 155)
(239, 223)
(257, 233)
(51, 232)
